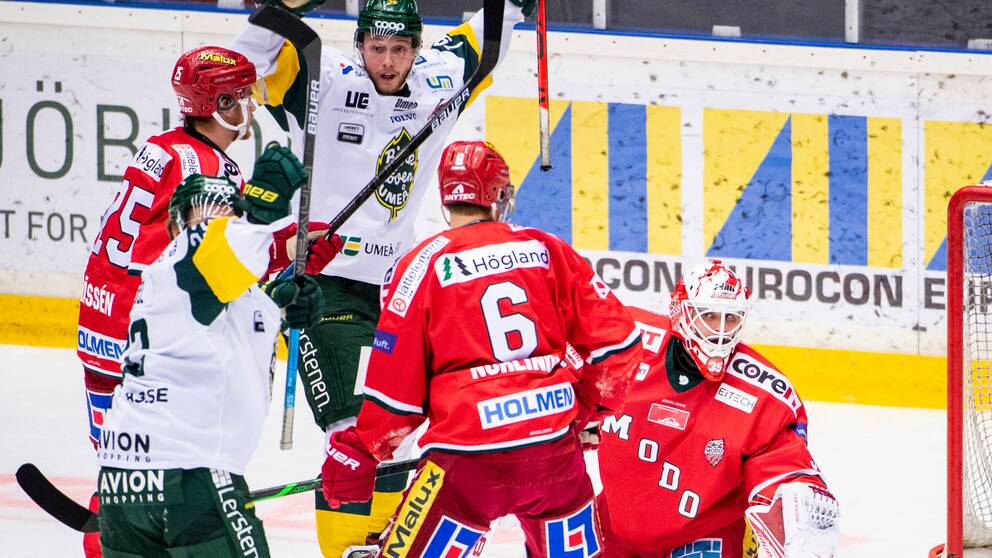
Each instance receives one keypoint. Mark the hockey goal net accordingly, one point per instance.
(969, 373)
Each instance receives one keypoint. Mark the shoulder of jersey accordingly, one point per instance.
(155, 155)
(656, 332)
(754, 374)
(342, 65)
(431, 63)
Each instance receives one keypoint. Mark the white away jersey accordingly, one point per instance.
(197, 370)
(360, 131)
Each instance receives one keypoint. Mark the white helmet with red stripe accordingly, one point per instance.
(708, 308)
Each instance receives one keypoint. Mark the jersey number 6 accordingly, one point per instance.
(513, 336)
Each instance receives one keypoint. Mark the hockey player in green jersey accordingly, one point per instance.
(198, 369)
(371, 105)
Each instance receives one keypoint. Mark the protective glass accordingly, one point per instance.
(260, 92)
(506, 203)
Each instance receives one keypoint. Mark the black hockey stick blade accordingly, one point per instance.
(284, 23)
(53, 501)
(492, 35)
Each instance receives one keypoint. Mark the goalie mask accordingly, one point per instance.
(200, 198)
(209, 80)
(708, 308)
(474, 173)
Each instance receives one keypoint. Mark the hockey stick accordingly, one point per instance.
(288, 489)
(543, 104)
(55, 503)
(306, 41)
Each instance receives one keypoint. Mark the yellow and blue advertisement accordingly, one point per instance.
(836, 221)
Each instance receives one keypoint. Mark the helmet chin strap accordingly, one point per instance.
(242, 128)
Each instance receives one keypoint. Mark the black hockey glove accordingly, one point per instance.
(277, 176)
(526, 5)
(297, 7)
(301, 297)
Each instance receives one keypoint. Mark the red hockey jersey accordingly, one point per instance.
(132, 235)
(477, 334)
(678, 466)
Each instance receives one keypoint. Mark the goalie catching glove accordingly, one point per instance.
(348, 474)
(800, 522)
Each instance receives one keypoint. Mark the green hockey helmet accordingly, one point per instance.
(390, 17)
(207, 196)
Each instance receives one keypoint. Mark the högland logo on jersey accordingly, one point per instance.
(668, 416)
(714, 451)
(461, 267)
(395, 191)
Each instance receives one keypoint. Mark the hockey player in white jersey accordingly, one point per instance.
(197, 375)
(371, 104)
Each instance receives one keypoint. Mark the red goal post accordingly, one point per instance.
(969, 372)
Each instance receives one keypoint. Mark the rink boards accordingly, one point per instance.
(821, 173)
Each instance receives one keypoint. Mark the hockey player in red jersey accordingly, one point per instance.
(215, 88)
(477, 335)
(710, 432)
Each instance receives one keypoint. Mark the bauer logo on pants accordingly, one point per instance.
(573, 536)
(451, 539)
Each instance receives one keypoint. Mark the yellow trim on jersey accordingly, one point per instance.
(416, 505)
(287, 67)
(220, 267)
(466, 30)
(469, 33)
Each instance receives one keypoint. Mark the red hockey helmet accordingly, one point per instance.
(210, 78)
(473, 172)
(708, 308)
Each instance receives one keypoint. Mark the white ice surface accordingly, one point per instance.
(885, 465)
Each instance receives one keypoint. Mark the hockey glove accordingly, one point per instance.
(298, 8)
(348, 474)
(277, 176)
(800, 522)
(526, 6)
(322, 250)
(301, 297)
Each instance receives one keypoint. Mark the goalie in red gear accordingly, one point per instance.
(710, 433)
(481, 334)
